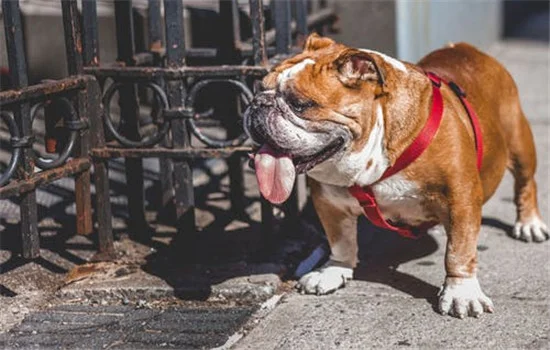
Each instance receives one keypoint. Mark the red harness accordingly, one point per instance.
(365, 195)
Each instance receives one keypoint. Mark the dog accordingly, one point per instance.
(346, 117)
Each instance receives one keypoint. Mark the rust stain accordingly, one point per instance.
(78, 45)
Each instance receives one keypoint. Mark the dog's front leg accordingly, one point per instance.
(334, 205)
(461, 295)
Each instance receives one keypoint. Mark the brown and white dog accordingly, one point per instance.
(344, 115)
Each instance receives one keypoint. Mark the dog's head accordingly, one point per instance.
(316, 107)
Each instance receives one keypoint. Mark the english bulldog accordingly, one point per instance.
(344, 116)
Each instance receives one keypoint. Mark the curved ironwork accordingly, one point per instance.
(71, 122)
(16, 144)
(190, 101)
(147, 141)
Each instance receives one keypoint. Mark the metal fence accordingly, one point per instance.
(186, 89)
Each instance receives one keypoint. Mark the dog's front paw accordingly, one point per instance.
(326, 279)
(462, 297)
(533, 229)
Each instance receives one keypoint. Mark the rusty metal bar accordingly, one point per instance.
(97, 139)
(258, 32)
(129, 118)
(175, 58)
(101, 173)
(230, 37)
(44, 91)
(18, 75)
(20, 187)
(291, 206)
(73, 40)
(157, 152)
(154, 21)
(301, 22)
(207, 52)
(173, 73)
(154, 26)
(73, 46)
(89, 33)
(229, 45)
(260, 59)
(283, 40)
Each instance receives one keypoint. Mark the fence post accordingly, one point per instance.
(183, 175)
(229, 45)
(260, 59)
(89, 33)
(73, 45)
(18, 77)
(258, 32)
(301, 22)
(283, 39)
(97, 138)
(166, 211)
(283, 44)
(129, 119)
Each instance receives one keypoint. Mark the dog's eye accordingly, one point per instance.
(298, 105)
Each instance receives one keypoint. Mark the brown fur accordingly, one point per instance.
(453, 189)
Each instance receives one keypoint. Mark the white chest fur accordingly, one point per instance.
(363, 167)
(400, 200)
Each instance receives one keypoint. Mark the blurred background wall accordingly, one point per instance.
(423, 26)
(406, 29)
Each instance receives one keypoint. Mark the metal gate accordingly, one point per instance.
(73, 104)
(172, 78)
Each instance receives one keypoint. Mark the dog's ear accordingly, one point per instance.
(316, 42)
(355, 66)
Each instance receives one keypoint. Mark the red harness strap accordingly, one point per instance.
(365, 195)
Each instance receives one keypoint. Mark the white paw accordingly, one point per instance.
(531, 230)
(461, 297)
(325, 279)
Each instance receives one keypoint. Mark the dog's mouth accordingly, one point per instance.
(288, 144)
(276, 170)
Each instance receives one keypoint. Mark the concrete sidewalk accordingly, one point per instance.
(387, 308)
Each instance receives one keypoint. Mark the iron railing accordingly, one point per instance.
(175, 122)
(74, 103)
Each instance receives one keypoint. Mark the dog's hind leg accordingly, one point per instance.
(522, 163)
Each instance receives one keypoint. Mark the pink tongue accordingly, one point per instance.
(275, 174)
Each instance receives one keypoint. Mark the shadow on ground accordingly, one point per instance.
(229, 244)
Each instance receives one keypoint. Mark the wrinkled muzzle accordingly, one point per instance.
(289, 144)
